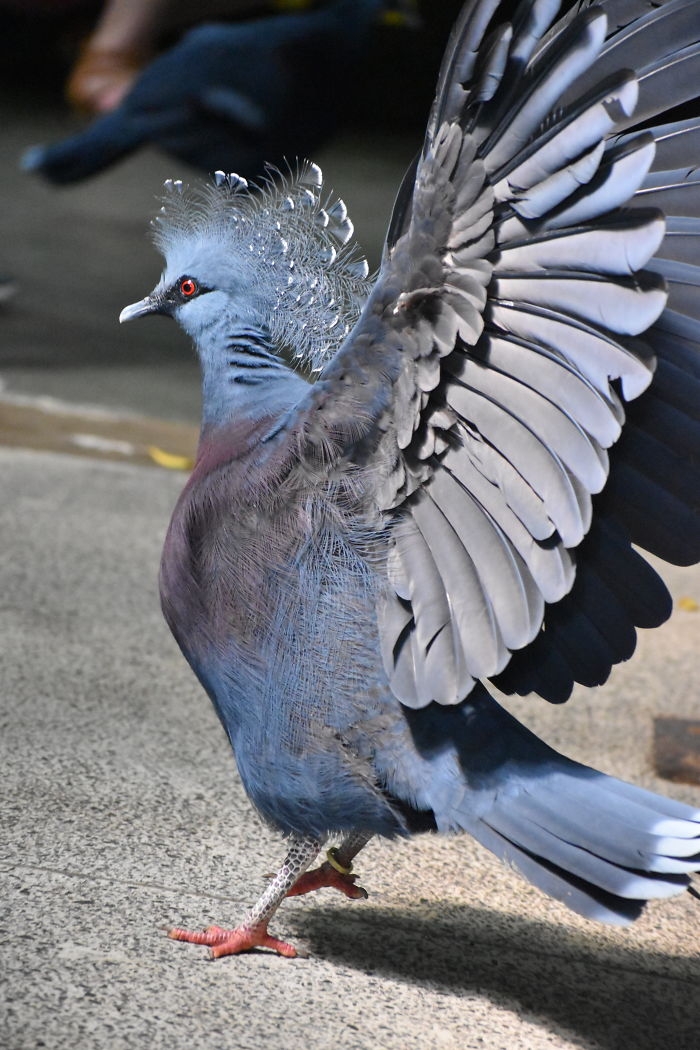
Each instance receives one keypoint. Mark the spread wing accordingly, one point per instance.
(489, 374)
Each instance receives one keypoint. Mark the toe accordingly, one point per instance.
(232, 942)
(327, 876)
(212, 935)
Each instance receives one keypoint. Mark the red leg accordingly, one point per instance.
(335, 872)
(233, 942)
(252, 932)
(326, 875)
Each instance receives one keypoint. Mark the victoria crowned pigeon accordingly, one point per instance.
(241, 93)
(451, 500)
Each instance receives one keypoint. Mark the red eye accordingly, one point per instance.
(188, 287)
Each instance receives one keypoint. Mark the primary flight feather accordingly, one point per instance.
(454, 494)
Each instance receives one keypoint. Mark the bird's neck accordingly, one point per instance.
(242, 376)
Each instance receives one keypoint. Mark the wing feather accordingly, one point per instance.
(544, 418)
(484, 389)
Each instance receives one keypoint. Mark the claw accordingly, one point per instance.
(327, 875)
(233, 942)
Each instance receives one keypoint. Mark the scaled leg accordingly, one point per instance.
(252, 932)
(336, 870)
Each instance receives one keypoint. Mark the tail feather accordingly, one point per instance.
(598, 844)
(577, 894)
(618, 839)
(587, 840)
(589, 852)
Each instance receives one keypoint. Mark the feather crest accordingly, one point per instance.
(309, 275)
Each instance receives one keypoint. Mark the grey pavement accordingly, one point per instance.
(120, 808)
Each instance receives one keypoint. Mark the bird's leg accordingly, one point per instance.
(336, 870)
(252, 932)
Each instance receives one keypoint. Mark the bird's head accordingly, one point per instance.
(200, 283)
(206, 275)
(272, 257)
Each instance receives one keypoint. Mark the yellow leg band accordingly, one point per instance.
(332, 858)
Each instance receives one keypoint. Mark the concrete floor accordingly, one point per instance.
(120, 806)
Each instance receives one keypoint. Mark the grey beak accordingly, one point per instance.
(149, 305)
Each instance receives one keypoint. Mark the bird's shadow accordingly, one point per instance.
(610, 995)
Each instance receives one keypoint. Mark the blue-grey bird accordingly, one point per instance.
(235, 94)
(411, 485)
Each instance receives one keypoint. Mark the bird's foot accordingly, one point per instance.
(329, 874)
(233, 942)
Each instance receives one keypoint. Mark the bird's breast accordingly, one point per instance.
(273, 605)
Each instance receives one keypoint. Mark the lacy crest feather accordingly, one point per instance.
(311, 278)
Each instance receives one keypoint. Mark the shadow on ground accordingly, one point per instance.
(611, 996)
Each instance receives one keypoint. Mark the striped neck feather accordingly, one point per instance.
(243, 377)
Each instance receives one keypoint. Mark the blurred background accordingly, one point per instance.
(100, 103)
